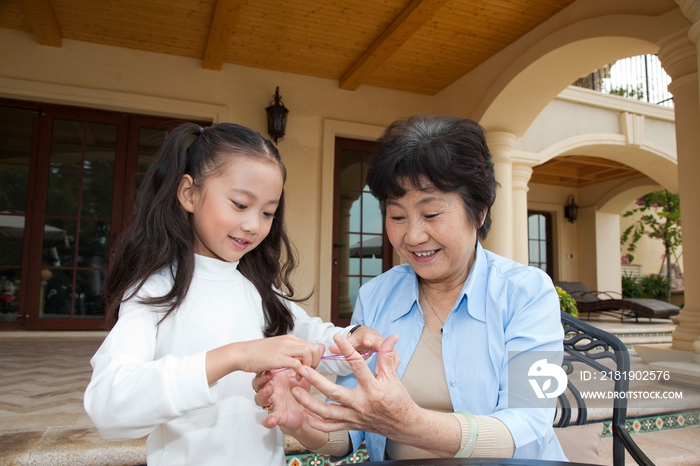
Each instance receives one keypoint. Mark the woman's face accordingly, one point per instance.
(430, 230)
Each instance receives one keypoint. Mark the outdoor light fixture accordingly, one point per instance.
(276, 117)
(571, 209)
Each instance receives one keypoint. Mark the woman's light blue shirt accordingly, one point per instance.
(504, 307)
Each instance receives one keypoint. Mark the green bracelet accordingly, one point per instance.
(473, 434)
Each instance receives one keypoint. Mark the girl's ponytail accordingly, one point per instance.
(160, 235)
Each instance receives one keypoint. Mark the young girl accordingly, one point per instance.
(194, 284)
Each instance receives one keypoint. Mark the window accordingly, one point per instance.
(540, 240)
(360, 248)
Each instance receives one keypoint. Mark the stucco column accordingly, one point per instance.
(500, 239)
(521, 177)
(680, 60)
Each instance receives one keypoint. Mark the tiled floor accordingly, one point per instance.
(43, 376)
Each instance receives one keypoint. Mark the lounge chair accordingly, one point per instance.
(591, 301)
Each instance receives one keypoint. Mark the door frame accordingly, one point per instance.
(387, 250)
(39, 164)
(49, 113)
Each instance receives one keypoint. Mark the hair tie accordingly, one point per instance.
(193, 137)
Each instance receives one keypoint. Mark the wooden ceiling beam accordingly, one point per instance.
(43, 22)
(399, 31)
(220, 33)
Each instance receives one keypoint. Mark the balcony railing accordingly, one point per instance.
(640, 78)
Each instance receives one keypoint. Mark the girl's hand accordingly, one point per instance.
(283, 409)
(363, 339)
(274, 393)
(281, 352)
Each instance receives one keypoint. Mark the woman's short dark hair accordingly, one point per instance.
(450, 152)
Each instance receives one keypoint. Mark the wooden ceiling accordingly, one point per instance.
(419, 46)
(577, 171)
(413, 45)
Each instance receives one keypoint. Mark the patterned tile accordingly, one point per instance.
(657, 422)
(312, 459)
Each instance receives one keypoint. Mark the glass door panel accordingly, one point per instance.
(149, 141)
(16, 128)
(150, 134)
(67, 178)
(360, 249)
(540, 241)
(78, 219)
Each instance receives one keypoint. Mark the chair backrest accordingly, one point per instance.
(578, 291)
(590, 349)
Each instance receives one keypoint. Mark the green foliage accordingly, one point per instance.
(661, 220)
(566, 302)
(655, 286)
(629, 91)
(631, 287)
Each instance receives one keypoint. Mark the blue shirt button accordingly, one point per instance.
(452, 383)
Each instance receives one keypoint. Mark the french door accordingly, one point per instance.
(361, 250)
(68, 179)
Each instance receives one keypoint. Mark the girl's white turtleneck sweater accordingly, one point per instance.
(150, 379)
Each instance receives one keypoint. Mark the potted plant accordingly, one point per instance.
(566, 302)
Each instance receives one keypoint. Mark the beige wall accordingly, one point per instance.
(552, 199)
(91, 75)
(515, 92)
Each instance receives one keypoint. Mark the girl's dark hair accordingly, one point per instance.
(161, 235)
(449, 152)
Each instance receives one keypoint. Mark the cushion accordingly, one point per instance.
(580, 443)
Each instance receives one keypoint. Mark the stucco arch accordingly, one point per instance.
(652, 160)
(538, 75)
(618, 198)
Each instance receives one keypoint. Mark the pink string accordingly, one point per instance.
(366, 355)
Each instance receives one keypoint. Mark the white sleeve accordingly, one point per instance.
(315, 330)
(131, 392)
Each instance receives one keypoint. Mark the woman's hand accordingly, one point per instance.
(281, 352)
(378, 404)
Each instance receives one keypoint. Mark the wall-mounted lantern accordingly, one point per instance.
(276, 117)
(571, 209)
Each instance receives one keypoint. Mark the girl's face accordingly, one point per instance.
(430, 230)
(232, 212)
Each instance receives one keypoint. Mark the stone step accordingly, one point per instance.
(636, 338)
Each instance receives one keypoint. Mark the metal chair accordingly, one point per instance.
(588, 345)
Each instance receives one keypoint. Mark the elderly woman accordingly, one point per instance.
(461, 314)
